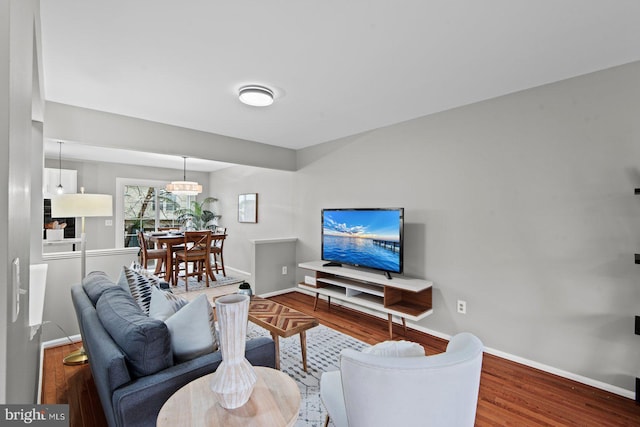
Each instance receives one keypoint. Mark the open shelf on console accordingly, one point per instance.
(412, 303)
(401, 296)
(350, 284)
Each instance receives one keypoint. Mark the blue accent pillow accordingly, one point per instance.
(145, 341)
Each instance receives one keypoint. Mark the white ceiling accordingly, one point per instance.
(337, 67)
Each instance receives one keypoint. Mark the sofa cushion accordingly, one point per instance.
(95, 283)
(164, 304)
(396, 349)
(145, 341)
(192, 330)
(139, 286)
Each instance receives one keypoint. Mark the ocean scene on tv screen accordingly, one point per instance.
(367, 238)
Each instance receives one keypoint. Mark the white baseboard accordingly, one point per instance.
(240, 272)
(498, 353)
(60, 341)
(280, 292)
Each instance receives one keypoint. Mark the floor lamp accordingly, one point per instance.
(81, 205)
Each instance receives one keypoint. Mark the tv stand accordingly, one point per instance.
(406, 298)
(332, 264)
(388, 275)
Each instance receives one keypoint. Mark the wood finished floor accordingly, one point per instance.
(73, 385)
(510, 394)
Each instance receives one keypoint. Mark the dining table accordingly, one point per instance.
(173, 242)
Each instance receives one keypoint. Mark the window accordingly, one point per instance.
(145, 206)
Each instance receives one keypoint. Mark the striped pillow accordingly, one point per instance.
(140, 287)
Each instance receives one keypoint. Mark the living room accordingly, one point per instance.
(521, 205)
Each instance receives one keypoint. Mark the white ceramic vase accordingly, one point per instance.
(235, 377)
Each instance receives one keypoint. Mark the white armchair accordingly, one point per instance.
(438, 390)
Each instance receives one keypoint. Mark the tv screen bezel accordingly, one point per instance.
(401, 238)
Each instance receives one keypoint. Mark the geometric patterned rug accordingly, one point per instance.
(323, 350)
(194, 285)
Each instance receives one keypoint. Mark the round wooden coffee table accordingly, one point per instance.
(275, 401)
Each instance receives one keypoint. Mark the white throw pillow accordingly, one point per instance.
(164, 304)
(192, 330)
(396, 349)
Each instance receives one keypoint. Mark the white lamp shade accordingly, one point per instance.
(81, 205)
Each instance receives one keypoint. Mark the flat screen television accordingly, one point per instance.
(369, 238)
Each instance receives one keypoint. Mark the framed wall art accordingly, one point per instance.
(248, 207)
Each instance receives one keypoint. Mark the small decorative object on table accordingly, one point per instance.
(55, 230)
(235, 377)
(245, 289)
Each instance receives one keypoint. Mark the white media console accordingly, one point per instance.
(401, 296)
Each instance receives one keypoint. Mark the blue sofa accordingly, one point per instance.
(133, 385)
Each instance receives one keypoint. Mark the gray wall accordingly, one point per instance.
(270, 257)
(275, 213)
(522, 206)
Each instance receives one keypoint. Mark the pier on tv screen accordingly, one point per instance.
(370, 238)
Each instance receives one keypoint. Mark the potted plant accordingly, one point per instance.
(200, 217)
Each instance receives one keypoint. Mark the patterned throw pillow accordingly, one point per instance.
(192, 330)
(164, 304)
(140, 286)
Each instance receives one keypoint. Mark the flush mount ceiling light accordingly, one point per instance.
(256, 96)
(184, 187)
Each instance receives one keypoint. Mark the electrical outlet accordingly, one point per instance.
(462, 307)
(108, 222)
(284, 269)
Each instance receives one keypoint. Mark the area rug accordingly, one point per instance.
(323, 350)
(194, 285)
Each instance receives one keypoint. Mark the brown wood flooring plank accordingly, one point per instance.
(511, 394)
(73, 385)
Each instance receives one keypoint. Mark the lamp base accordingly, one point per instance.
(78, 357)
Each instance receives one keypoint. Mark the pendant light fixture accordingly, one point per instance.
(184, 187)
(60, 188)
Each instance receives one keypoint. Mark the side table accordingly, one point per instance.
(275, 401)
(281, 321)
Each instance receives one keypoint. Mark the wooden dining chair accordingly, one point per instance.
(216, 250)
(197, 251)
(146, 254)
